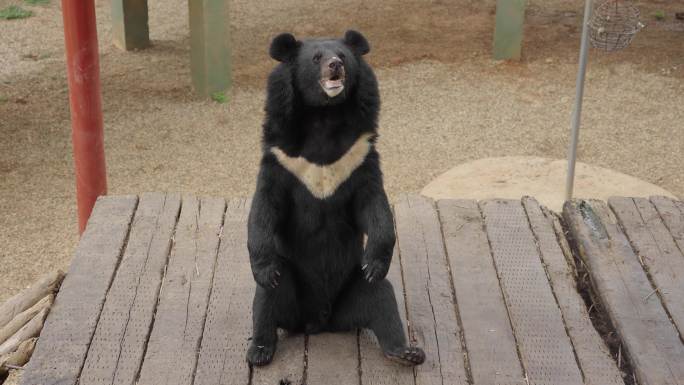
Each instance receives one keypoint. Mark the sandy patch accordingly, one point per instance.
(513, 177)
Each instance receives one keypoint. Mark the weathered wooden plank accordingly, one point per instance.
(673, 217)
(171, 353)
(333, 356)
(655, 350)
(376, 369)
(544, 346)
(508, 32)
(431, 310)
(561, 235)
(209, 46)
(118, 345)
(592, 353)
(487, 330)
(657, 250)
(69, 328)
(228, 324)
(129, 24)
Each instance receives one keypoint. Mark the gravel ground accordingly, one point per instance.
(444, 102)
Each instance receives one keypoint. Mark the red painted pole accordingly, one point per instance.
(83, 68)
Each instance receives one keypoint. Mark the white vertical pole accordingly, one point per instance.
(579, 92)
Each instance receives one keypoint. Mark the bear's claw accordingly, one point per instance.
(259, 355)
(375, 270)
(407, 356)
(268, 276)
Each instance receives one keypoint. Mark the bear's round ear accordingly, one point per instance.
(356, 42)
(284, 47)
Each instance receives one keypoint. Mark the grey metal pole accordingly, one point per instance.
(579, 92)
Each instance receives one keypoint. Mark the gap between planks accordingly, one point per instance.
(592, 354)
(120, 339)
(546, 350)
(431, 310)
(651, 340)
(490, 349)
(173, 345)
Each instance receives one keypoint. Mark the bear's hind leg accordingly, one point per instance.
(272, 308)
(373, 306)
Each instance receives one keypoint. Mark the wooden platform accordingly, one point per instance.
(160, 290)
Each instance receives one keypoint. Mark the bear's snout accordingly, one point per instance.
(335, 64)
(333, 69)
(332, 76)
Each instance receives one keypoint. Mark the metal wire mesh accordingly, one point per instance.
(613, 25)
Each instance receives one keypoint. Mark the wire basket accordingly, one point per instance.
(613, 25)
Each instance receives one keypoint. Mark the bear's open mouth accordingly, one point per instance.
(333, 85)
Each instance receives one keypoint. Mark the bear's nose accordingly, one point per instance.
(335, 63)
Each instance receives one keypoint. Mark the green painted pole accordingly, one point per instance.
(129, 24)
(209, 46)
(508, 32)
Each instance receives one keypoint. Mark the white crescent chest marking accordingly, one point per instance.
(322, 181)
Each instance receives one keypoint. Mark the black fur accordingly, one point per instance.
(307, 254)
(357, 41)
(284, 47)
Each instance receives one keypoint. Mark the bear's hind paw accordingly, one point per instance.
(260, 355)
(407, 356)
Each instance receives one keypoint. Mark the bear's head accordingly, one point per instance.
(325, 71)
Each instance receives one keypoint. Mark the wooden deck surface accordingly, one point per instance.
(160, 291)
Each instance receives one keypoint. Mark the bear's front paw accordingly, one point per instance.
(375, 270)
(260, 355)
(269, 276)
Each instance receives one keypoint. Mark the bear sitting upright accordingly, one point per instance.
(319, 191)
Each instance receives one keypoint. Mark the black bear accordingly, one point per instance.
(319, 192)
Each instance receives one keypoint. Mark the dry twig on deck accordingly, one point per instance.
(47, 284)
(30, 330)
(24, 317)
(19, 357)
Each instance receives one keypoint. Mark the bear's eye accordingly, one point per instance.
(341, 56)
(317, 58)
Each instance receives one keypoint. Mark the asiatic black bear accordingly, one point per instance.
(319, 191)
